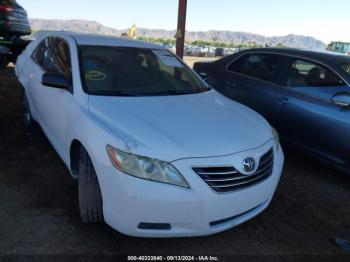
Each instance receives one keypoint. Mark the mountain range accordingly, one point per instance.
(83, 26)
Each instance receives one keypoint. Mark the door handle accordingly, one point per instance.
(283, 100)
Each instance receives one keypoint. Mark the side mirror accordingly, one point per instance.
(204, 76)
(341, 99)
(56, 81)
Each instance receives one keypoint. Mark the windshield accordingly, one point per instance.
(345, 67)
(127, 71)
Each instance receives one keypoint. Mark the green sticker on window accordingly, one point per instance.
(95, 76)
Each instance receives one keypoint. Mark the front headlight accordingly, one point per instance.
(146, 168)
(276, 137)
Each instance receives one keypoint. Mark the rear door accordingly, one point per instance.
(305, 114)
(252, 80)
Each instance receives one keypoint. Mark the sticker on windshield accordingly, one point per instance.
(95, 76)
(167, 58)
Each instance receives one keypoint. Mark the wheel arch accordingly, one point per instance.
(74, 151)
(74, 157)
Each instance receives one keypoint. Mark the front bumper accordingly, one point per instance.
(129, 201)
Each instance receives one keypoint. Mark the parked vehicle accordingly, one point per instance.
(210, 51)
(157, 153)
(231, 51)
(10, 48)
(171, 48)
(339, 47)
(13, 19)
(219, 52)
(187, 50)
(199, 51)
(13, 24)
(304, 94)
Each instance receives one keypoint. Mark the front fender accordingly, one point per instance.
(92, 134)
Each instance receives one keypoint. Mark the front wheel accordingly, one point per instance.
(90, 198)
(3, 61)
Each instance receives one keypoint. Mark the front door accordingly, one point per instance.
(55, 106)
(305, 114)
(35, 70)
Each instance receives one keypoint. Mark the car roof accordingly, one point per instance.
(100, 40)
(323, 56)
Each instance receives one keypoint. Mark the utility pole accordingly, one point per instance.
(181, 28)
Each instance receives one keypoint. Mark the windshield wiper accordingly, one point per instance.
(113, 93)
(167, 93)
(176, 92)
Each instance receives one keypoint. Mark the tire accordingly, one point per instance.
(28, 120)
(3, 61)
(90, 198)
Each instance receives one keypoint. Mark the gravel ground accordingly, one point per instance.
(39, 210)
(190, 60)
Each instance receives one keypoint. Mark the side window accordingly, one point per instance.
(37, 55)
(60, 60)
(314, 79)
(42, 52)
(267, 67)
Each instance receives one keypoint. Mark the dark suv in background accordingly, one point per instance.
(13, 19)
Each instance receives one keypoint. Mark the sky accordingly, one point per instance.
(326, 20)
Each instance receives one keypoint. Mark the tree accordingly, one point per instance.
(280, 45)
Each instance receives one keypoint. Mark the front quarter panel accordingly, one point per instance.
(92, 134)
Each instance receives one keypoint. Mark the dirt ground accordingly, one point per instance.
(39, 210)
(190, 60)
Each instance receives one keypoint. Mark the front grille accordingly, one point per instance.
(227, 178)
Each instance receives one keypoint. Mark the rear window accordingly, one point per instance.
(127, 71)
(345, 67)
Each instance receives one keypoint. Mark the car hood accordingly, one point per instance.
(183, 126)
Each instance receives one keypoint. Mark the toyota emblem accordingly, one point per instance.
(249, 164)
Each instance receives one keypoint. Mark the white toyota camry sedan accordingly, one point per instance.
(157, 153)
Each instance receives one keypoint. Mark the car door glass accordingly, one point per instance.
(42, 52)
(60, 60)
(267, 67)
(345, 67)
(37, 55)
(314, 79)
